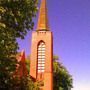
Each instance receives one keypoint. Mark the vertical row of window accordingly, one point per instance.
(41, 57)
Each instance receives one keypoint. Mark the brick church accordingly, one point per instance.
(41, 58)
(41, 64)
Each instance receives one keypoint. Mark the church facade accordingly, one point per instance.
(41, 64)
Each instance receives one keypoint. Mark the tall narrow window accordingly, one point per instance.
(41, 57)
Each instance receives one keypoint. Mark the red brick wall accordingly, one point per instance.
(45, 36)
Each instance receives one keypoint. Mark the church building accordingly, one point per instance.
(41, 64)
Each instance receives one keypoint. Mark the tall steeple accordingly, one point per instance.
(41, 58)
(43, 18)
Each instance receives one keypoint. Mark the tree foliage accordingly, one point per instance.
(28, 63)
(62, 78)
(16, 16)
(24, 83)
(15, 21)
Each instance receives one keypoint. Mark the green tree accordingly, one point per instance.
(62, 78)
(24, 83)
(15, 21)
(28, 63)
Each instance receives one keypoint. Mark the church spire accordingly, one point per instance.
(43, 18)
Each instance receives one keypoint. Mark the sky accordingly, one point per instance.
(69, 20)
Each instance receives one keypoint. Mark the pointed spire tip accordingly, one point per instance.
(43, 17)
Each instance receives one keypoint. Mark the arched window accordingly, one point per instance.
(41, 57)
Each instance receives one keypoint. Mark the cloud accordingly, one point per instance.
(84, 86)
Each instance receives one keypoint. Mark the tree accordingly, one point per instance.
(28, 63)
(62, 78)
(24, 83)
(15, 21)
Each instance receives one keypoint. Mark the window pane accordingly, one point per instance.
(43, 45)
(41, 57)
(42, 64)
(39, 48)
(39, 64)
(39, 68)
(43, 49)
(43, 54)
(39, 53)
(39, 71)
(42, 70)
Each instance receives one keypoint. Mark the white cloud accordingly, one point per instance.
(84, 86)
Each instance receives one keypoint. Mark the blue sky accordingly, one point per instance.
(69, 21)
